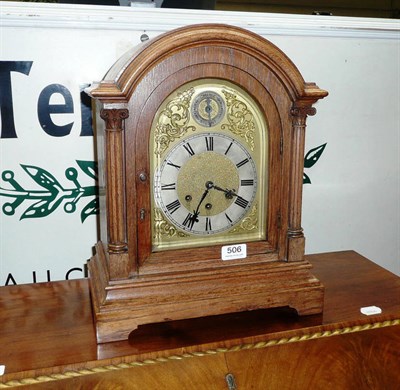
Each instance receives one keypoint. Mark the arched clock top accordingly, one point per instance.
(121, 80)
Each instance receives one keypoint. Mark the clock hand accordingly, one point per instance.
(228, 193)
(201, 201)
(196, 212)
(208, 110)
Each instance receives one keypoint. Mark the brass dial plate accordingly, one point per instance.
(208, 149)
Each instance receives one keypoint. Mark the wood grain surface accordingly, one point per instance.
(47, 328)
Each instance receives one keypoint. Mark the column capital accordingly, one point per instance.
(113, 117)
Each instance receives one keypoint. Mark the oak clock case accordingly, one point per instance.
(208, 181)
(201, 144)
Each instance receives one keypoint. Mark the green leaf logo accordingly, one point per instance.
(53, 194)
(310, 159)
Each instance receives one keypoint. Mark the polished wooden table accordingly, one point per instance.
(47, 340)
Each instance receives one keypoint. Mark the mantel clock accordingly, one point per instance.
(200, 138)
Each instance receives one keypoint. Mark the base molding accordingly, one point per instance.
(121, 306)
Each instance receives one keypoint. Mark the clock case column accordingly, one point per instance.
(296, 239)
(130, 285)
(117, 246)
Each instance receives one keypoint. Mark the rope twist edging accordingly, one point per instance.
(235, 348)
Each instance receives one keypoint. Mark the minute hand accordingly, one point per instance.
(201, 201)
(196, 212)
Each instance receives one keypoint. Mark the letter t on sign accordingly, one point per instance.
(6, 101)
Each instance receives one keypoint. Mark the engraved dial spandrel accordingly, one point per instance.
(208, 108)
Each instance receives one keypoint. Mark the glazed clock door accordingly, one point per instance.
(209, 154)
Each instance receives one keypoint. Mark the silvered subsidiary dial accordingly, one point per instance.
(208, 108)
(206, 183)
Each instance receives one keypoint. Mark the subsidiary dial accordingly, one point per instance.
(208, 108)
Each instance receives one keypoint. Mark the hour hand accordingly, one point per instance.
(229, 194)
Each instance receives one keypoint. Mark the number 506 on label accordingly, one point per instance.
(234, 252)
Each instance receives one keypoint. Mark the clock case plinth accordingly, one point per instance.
(130, 285)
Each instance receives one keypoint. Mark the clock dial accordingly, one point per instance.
(208, 108)
(206, 184)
